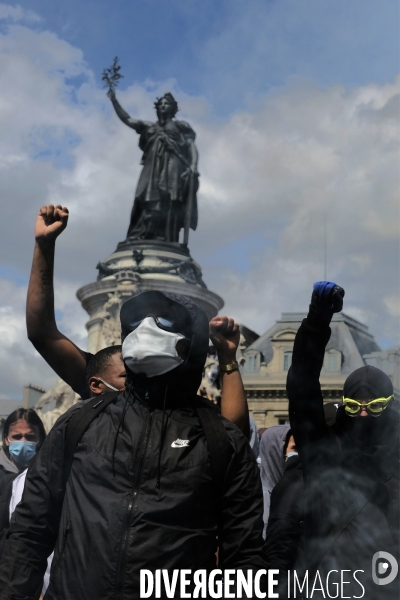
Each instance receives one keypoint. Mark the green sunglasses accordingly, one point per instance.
(373, 407)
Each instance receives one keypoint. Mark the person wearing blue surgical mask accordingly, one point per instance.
(23, 434)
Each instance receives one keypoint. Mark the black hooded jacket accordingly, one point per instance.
(283, 541)
(112, 520)
(358, 456)
(6, 482)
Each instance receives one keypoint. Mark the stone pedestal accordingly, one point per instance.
(137, 267)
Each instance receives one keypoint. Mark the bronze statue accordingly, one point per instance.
(165, 199)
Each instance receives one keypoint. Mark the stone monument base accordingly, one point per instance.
(136, 267)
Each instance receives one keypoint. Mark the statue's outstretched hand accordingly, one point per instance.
(111, 94)
(50, 222)
(225, 335)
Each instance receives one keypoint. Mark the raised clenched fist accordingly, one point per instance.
(225, 335)
(50, 222)
(328, 296)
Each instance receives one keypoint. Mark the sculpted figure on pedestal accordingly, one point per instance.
(165, 199)
(63, 396)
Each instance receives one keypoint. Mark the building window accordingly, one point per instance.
(284, 421)
(252, 361)
(332, 360)
(287, 360)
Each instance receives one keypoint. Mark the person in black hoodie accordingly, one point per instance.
(283, 542)
(284, 547)
(351, 470)
(140, 492)
(73, 364)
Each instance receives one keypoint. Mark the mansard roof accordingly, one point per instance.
(349, 336)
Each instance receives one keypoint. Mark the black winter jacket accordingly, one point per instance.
(284, 536)
(112, 520)
(6, 481)
(337, 469)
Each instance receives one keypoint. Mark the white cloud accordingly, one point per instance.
(393, 305)
(304, 151)
(267, 176)
(20, 364)
(16, 13)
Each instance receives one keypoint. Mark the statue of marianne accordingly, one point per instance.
(165, 199)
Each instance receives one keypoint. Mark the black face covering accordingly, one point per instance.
(175, 313)
(369, 433)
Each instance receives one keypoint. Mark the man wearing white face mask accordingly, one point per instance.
(154, 344)
(152, 349)
(72, 363)
(106, 371)
(142, 491)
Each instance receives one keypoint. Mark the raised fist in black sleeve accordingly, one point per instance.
(326, 299)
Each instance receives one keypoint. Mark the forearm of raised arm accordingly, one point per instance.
(40, 318)
(124, 116)
(66, 359)
(234, 402)
(304, 392)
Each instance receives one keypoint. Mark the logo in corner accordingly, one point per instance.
(180, 443)
(382, 568)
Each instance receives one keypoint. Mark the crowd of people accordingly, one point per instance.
(144, 473)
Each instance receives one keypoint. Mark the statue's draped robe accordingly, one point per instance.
(162, 193)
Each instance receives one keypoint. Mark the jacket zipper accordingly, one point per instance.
(123, 549)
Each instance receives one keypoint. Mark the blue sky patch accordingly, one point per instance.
(13, 274)
(54, 144)
(231, 50)
(240, 254)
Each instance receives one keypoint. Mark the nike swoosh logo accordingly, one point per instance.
(180, 443)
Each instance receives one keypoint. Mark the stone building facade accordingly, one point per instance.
(264, 364)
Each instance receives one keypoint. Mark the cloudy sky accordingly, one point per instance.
(296, 109)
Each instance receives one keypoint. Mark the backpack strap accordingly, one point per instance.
(218, 443)
(79, 423)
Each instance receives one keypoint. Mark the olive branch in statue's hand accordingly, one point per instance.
(111, 77)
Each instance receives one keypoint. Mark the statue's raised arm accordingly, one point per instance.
(111, 77)
(135, 124)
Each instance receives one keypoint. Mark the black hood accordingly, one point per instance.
(367, 383)
(186, 378)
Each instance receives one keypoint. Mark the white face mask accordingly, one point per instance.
(290, 454)
(151, 350)
(111, 387)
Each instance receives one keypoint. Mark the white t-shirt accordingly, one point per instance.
(16, 495)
